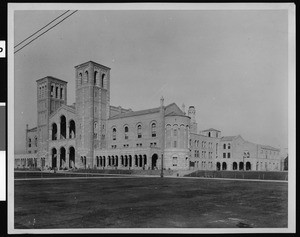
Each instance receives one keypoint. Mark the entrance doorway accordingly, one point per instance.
(154, 161)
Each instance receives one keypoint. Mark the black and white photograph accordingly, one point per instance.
(151, 118)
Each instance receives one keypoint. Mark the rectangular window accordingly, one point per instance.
(224, 155)
(139, 135)
(52, 89)
(175, 143)
(61, 93)
(228, 155)
(56, 92)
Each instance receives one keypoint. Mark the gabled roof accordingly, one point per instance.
(66, 107)
(269, 147)
(146, 111)
(32, 129)
(210, 129)
(136, 113)
(228, 138)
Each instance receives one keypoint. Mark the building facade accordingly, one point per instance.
(91, 133)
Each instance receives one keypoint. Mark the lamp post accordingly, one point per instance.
(244, 161)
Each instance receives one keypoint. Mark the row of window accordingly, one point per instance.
(228, 146)
(35, 151)
(203, 154)
(270, 152)
(139, 132)
(228, 155)
(30, 142)
(204, 144)
(152, 144)
(86, 77)
(59, 92)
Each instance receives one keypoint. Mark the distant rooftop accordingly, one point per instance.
(210, 129)
(143, 112)
(228, 138)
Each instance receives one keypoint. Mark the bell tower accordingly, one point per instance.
(51, 94)
(92, 110)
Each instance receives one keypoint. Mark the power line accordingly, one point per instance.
(45, 31)
(41, 29)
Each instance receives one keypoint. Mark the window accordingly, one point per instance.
(56, 92)
(126, 132)
(224, 155)
(52, 89)
(80, 78)
(153, 129)
(61, 93)
(175, 133)
(95, 77)
(102, 80)
(209, 134)
(87, 76)
(175, 143)
(35, 141)
(228, 155)
(139, 131)
(228, 145)
(174, 161)
(224, 146)
(29, 142)
(114, 133)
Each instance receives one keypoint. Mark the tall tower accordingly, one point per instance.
(192, 114)
(51, 94)
(92, 110)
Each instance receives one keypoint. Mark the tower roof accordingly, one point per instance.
(52, 78)
(88, 62)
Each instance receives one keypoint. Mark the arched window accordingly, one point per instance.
(114, 133)
(228, 146)
(102, 80)
(126, 132)
(95, 130)
(209, 134)
(153, 129)
(95, 77)
(139, 131)
(87, 76)
(80, 78)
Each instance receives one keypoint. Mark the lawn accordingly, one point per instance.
(149, 203)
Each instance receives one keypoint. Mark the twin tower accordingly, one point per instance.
(91, 108)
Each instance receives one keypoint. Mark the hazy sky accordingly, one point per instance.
(231, 65)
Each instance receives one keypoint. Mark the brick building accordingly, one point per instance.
(91, 133)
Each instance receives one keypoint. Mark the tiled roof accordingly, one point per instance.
(137, 113)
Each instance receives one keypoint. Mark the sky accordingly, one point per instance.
(232, 65)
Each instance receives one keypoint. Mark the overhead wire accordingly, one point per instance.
(45, 32)
(41, 29)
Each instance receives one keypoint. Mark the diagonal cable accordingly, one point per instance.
(41, 28)
(45, 32)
